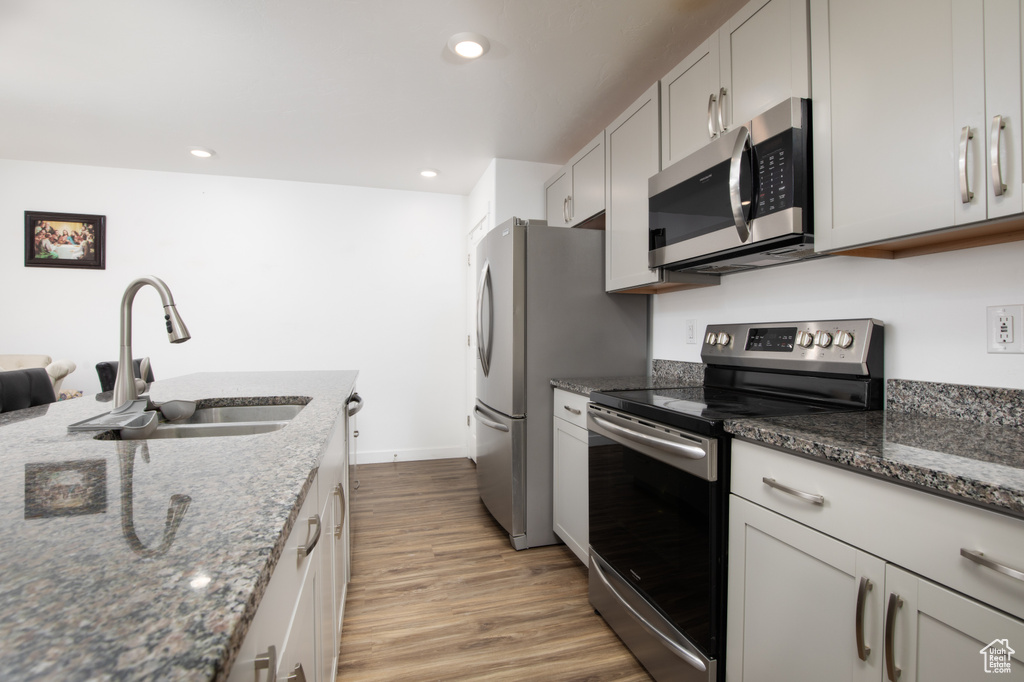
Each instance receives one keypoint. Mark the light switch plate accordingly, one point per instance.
(1005, 328)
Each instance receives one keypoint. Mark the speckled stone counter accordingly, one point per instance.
(963, 441)
(666, 374)
(145, 560)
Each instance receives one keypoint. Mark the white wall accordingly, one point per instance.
(508, 188)
(267, 275)
(933, 308)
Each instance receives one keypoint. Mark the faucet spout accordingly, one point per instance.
(177, 332)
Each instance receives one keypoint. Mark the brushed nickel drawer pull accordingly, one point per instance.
(268, 662)
(298, 674)
(307, 549)
(980, 559)
(572, 410)
(807, 497)
(892, 670)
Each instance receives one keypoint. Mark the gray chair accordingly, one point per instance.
(21, 388)
(107, 372)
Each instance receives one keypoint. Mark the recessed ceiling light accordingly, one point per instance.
(429, 173)
(201, 152)
(468, 45)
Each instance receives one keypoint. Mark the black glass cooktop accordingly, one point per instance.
(704, 409)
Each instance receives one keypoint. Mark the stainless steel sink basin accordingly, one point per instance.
(241, 413)
(227, 421)
(214, 430)
(236, 420)
(211, 422)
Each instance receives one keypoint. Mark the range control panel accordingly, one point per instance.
(827, 346)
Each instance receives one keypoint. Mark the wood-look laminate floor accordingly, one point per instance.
(438, 593)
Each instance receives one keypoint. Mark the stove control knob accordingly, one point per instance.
(844, 339)
(804, 339)
(724, 338)
(823, 339)
(711, 339)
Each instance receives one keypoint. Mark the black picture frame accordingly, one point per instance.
(70, 240)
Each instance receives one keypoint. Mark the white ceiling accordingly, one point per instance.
(353, 92)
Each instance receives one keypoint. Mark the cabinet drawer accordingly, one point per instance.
(921, 532)
(571, 407)
(270, 625)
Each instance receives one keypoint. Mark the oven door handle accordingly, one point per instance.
(688, 451)
(671, 644)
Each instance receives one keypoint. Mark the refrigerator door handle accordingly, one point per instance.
(484, 343)
(482, 418)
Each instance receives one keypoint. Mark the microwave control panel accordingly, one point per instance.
(775, 174)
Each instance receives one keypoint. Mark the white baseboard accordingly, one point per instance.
(382, 456)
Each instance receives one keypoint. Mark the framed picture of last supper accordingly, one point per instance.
(65, 240)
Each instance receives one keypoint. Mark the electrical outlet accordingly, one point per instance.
(1005, 328)
(691, 331)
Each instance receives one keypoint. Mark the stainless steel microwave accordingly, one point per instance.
(742, 201)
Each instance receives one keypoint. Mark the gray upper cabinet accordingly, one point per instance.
(916, 117)
(576, 192)
(759, 58)
(632, 153)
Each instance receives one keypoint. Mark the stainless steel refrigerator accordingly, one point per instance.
(542, 313)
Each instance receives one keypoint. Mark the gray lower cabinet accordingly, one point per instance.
(570, 452)
(855, 579)
(296, 632)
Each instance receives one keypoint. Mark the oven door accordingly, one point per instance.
(656, 542)
(703, 204)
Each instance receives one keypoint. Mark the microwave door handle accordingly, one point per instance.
(735, 166)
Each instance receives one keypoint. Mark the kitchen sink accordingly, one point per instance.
(208, 422)
(238, 420)
(241, 413)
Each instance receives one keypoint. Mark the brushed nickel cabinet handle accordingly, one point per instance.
(565, 210)
(339, 492)
(807, 497)
(891, 669)
(863, 650)
(307, 549)
(980, 559)
(268, 662)
(965, 188)
(297, 674)
(711, 116)
(572, 410)
(721, 108)
(997, 170)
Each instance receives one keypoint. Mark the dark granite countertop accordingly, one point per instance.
(970, 447)
(98, 580)
(665, 374)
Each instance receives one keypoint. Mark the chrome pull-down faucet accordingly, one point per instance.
(124, 384)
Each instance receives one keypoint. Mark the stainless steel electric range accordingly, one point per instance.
(659, 478)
